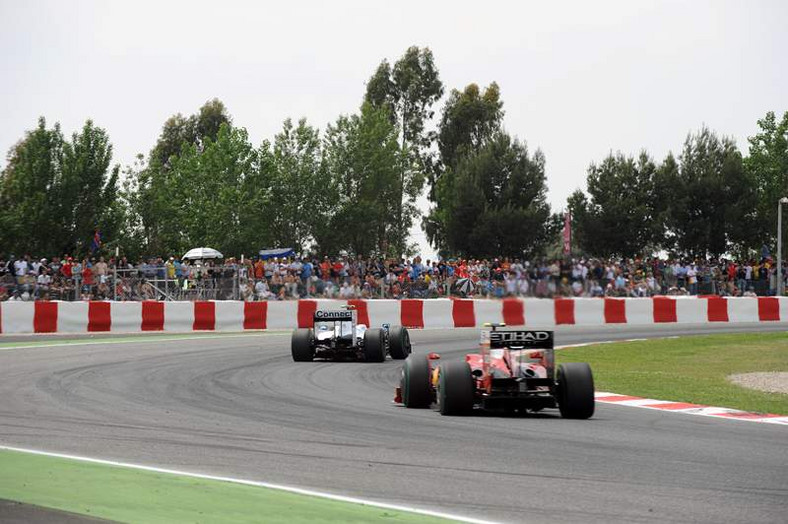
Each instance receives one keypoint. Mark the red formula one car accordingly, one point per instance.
(513, 371)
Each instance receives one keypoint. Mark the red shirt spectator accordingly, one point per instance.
(66, 268)
(325, 269)
(87, 276)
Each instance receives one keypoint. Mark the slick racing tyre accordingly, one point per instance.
(455, 388)
(575, 390)
(416, 390)
(374, 345)
(399, 342)
(302, 345)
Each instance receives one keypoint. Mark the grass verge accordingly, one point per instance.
(689, 369)
(131, 495)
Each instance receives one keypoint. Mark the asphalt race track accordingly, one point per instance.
(240, 407)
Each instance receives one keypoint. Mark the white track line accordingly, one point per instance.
(141, 339)
(280, 487)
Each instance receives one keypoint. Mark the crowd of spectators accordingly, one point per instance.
(94, 278)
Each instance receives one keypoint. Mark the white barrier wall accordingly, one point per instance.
(83, 317)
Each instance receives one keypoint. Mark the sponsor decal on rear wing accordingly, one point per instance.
(521, 339)
(333, 315)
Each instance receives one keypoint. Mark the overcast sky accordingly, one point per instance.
(578, 79)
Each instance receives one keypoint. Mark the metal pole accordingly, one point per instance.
(780, 283)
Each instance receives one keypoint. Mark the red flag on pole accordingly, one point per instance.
(567, 233)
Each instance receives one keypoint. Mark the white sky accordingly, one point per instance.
(578, 79)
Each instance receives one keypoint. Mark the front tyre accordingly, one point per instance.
(374, 345)
(399, 342)
(302, 345)
(455, 388)
(575, 390)
(416, 390)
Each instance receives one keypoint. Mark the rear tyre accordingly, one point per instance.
(374, 347)
(575, 390)
(416, 391)
(455, 388)
(302, 345)
(399, 342)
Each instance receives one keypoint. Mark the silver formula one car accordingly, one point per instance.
(337, 335)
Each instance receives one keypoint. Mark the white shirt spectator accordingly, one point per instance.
(524, 286)
(261, 290)
(20, 268)
(346, 291)
(511, 285)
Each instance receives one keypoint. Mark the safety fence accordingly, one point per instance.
(234, 283)
(96, 316)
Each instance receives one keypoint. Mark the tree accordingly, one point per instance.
(619, 217)
(362, 157)
(300, 190)
(147, 192)
(28, 193)
(55, 193)
(89, 188)
(667, 191)
(497, 203)
(712, 207)
(381, 91)
(218, 205)
(408, 91)
(193, 130)
(468, 122)
(469, 119)
(767, 166)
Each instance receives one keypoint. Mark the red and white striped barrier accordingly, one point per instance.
(85, 317)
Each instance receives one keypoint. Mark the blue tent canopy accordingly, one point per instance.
(265, 254)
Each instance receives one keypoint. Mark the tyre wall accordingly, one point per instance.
(90, 317)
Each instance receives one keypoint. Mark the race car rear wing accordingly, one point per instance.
(521, 339)
(323, 316)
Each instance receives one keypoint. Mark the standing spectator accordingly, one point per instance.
(20, 270)
(692, 279)
(43, 282)
(259, 269)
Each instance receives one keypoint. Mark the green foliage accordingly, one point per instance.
(28, 203)
(214, 195)
(468, 122)
(88, 189)
(153, 223)
(179, 131)
(362, 159)
(495, 202)
(301, 193)
(767, 166)
(354, 187)
(407, 92)
(54, 193)
(469, 119)
(619, 217)
(701, 205)
(711, 202)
